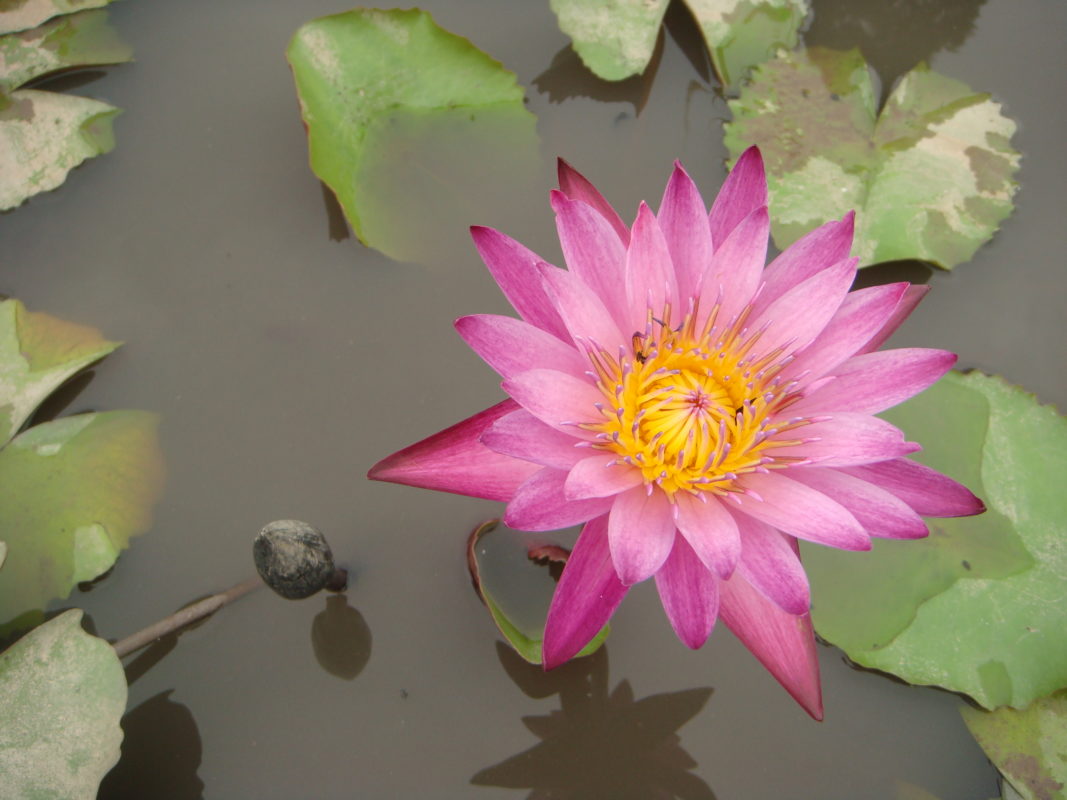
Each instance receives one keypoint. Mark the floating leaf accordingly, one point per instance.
(18, 15)
(3, 553)
(1029, 747)
(77, 40)
(978, 607)
(616, 38)
(402, 118)
(62, 693)
(523, 635)
(931, 177)
(43, 136)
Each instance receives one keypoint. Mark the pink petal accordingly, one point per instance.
(555, 398)
(684, 221)
(861, 315)
(640, 533)
(650, 282)
(797, 317)
(783, 643)
(874, 382)
(808, 255)
(737, 266)
(540, 505)
(711, 531)
(926, 490)
(511, 346)
(600, 476)
(904, 308)
(455, 460)
(584, 314)
(769, 563)
(521, 435)
(743, 191)
(593, 251)
(577, 187)
(689, 593)
(514, 268)
(588, 593)
(847, 440)
(879, 512)
(800, 511)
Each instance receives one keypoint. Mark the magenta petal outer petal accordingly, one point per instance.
(514, 268)
(592, 251)
(650, 282)
(711, 531)
(689, 593)
(455, 460)
(879, 512)
(684, 221)
(848, 440)
(586, 318)
(554, 397)
(811, 253)
(769, 563)
(736, 269)
(743, 191)
(600, 476)
(522, 435)
(640, 533)
(926, 490)
(905, 306)
(577, 187)
(588, 593)
(783, 643)
(540, 504)
(511, 346)
(800, 511)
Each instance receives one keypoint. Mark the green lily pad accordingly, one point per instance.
(978, 607)
(1029, 747)
(62, 694)
(616, 38)
(511, 604)
(43, 136)
(19, 15)
(931, 177)
(3, 553)
(76, 40)
(403, 116)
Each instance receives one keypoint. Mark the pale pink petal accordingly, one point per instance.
(511, 346)
(904, 308)
(860, 316)
(600, 476)
(455, 460)
(689, 593)
(577, 187)
(743, 191)
(593, 251)
(769, 563)
(874, 382)
(797, 317)
(783, 643)
(926, 490)
(521, 435)
(811, 253)
(540, 505)
(650, 282)
(736, 268)
(879, 512)
(514, 268)
(846, 440)
(588, 593)
(711, 531)
(640, 533)
(584, 314)
(800, 511)
(684, 221)
(555, 398)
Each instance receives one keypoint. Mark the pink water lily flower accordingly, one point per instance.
(697, 410)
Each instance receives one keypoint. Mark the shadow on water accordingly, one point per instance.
(341, 638)
(160, 754)
(892, 272)
(599, 743)
(335, 216)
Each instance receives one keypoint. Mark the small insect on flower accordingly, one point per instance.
(735, 419)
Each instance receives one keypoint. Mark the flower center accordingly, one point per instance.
(689, 406)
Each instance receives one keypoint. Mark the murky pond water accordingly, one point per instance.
(285, 360)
